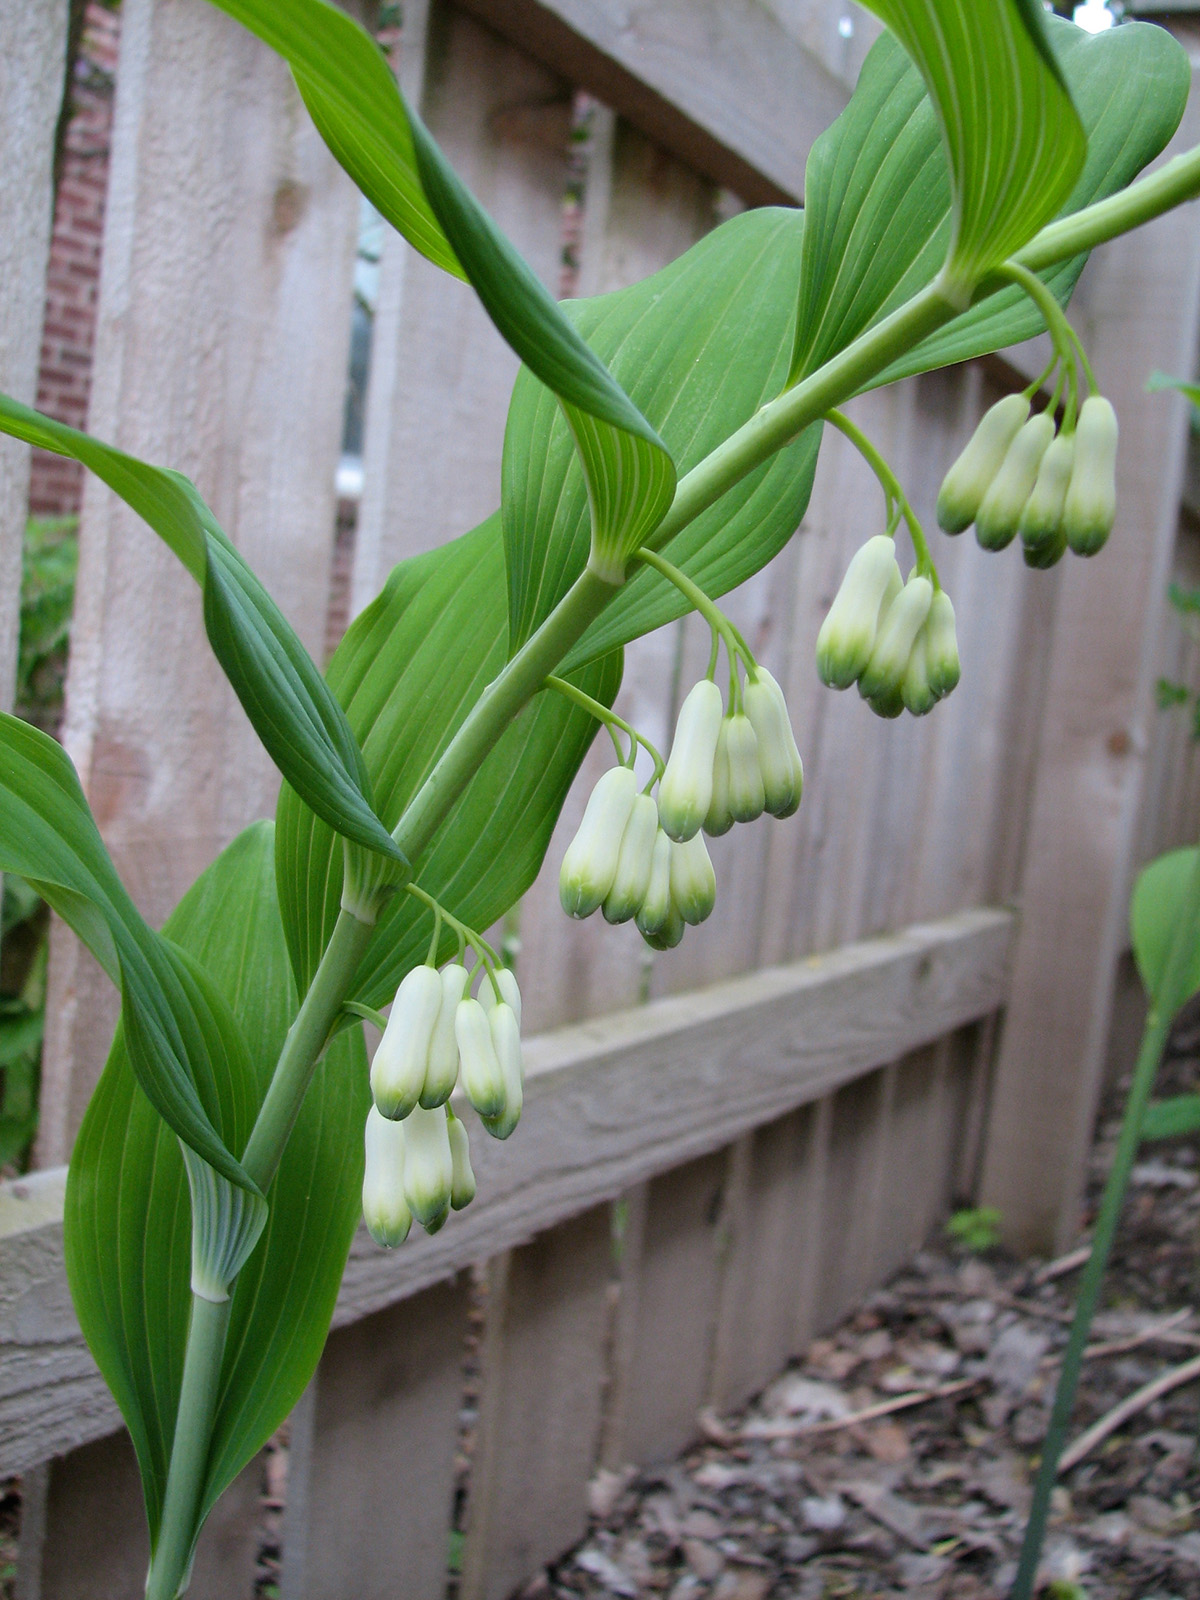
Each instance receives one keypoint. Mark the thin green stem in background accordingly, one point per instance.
(1158, 1025)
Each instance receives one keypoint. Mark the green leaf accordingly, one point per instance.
(699, 345)
(1012, 135)
(281, 691)
(127, 1215)
(362, 116)
(409, 669)
(879, 209)
(1160, 380)
(1170, 1119)
(184, 1032)
(1159, 902)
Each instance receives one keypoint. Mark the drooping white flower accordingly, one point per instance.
(778, 758)
(441, 1073)
(428, 1165)
(746, 796)
(506, 1042)
(847, 635)
(1008, 493)
(685, 792)
(693, 881)
(969, 479)
(385, 1210)
(634, 862)
(1090, 508)
(482, 1077)
(402, 1058)
(463, 1187)
(590, 863)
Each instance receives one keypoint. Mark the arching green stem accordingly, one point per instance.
(892, 490)
(611, 720)
(695, 595)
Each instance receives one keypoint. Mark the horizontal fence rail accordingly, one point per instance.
(608, 1104)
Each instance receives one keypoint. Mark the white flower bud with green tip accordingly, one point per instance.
(1040, 526)
(510, 993)
(969, 479)
(941, 646)
(746, 797)
(655, 909)
(884, 673)
(685, 792)
(506, 1041)
(385, 1210)
(693, 881)
(462, 1186)
(847, 635)
(916, 691)
(668, 934)
(719, 818)
(482, 1077)
(590, 864)
(997, 518)
(634, 862)
(428, 1166)
(437, 1222)
(402, 1058)
(442, 1072)
(1090, 508)
(778, 758)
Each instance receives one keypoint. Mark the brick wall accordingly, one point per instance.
(64, 380)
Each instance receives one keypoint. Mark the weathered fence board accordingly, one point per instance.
(221, 350)
(608, 1104)
(31, 88)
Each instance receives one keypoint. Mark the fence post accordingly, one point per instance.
(221, 350)
(31, 78)
(1142, 294)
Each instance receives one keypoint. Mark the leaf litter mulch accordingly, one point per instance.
(818, 1491)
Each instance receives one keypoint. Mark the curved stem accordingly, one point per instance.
(477, 942)
(610, 719)
(893, 491)
(171, 1561)
(708, 609)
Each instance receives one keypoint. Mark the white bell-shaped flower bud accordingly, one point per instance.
(590, 864)
(905, 618)
(428, 1166)
(685, 792)
(385, 1210)
(778, 758)
(506, 1041)
(482, 1077)
(693, 881)
(747, 799)
(441, 1074)
(668, 934)
(1008, 493)
(634, 862)
(655, 908)
(462, 1187)
(847, 635)
(1090, 508)
(719, 818)
(402, 1059)
(510, 993)
(941, 646)
(916, 690)
(969, 479)
(1040, 526)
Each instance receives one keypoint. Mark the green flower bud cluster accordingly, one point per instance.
(1019, 475)
(896, 640)
(438, 1036)
(633, 858)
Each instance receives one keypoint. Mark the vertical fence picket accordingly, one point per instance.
(854, 1193)
(371, 1470)
(31, 87)
(221, 350)
(540, 1411)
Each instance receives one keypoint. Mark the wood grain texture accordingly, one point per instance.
(728, 85)
(1092, 746)
(440, 373)
(31, 87)
(371, 1463)
(539, 1417)
(221, 350)
(608, 1104)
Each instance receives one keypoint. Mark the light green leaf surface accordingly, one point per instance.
(1172, 1119)
(390, 154)
(408, 671)
(127, 1216)
(879, 211)
(185, 1034)
(281, 691)
(1013, 138)
(699, 345)
(1158, 902)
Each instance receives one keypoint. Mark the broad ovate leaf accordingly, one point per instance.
(1158, 916)
(879, 208)
(286, 699)
(408, 671)
(127, 1216)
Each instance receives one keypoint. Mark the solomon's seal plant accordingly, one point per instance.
(660, 449)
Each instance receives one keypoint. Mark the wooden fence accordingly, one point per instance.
(771, 1116)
